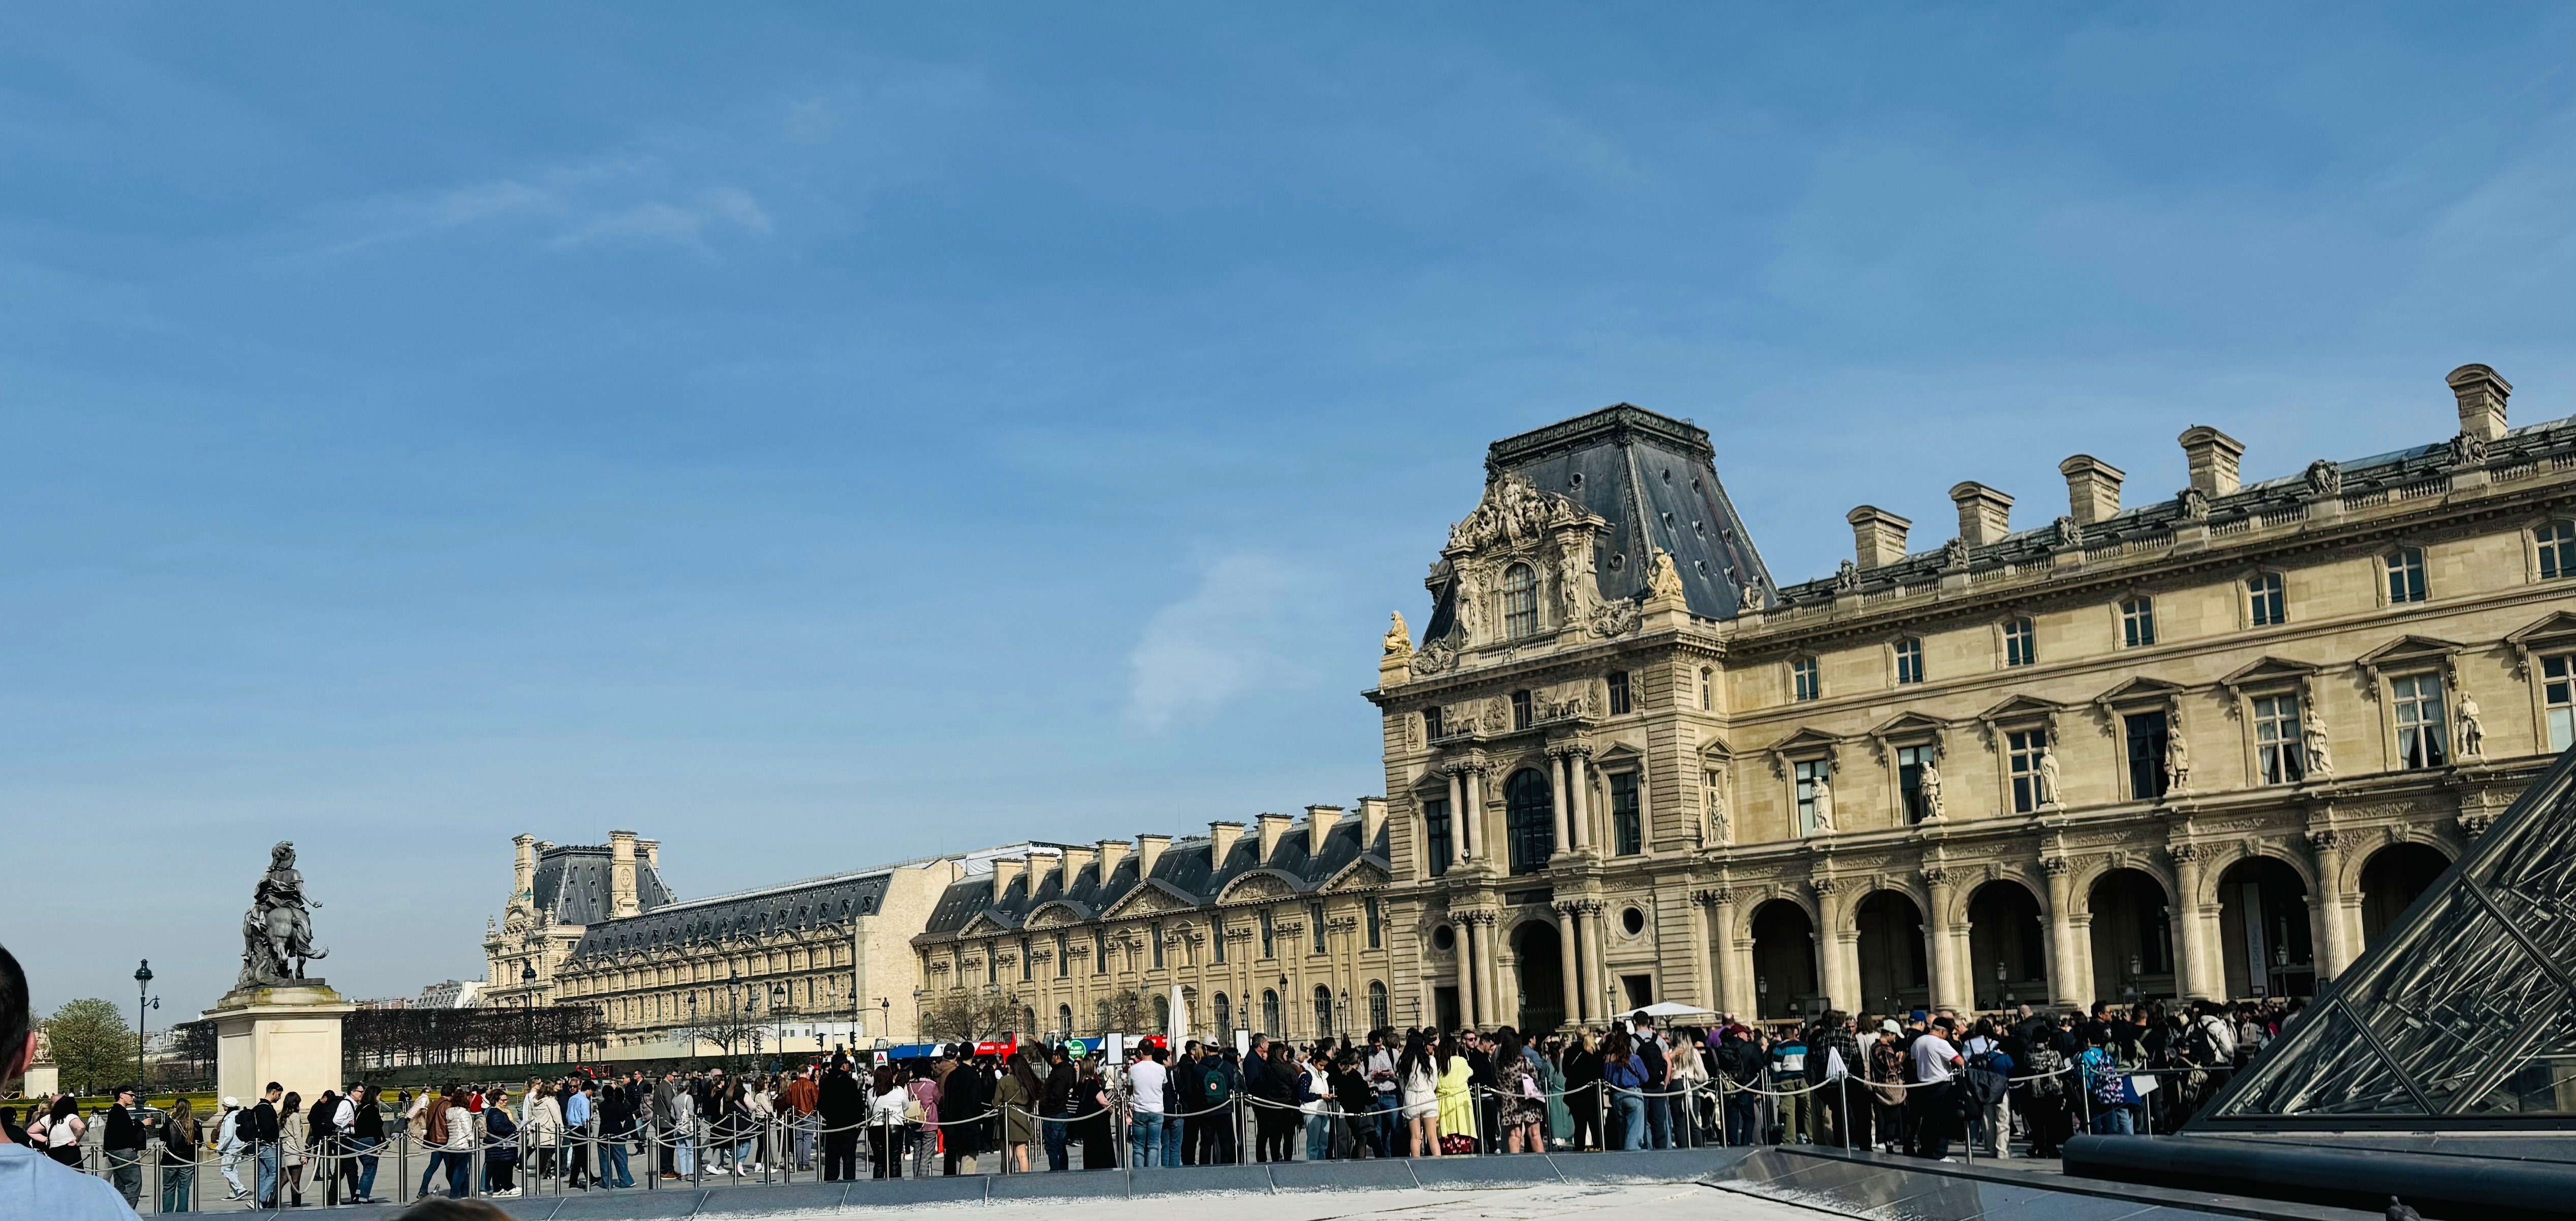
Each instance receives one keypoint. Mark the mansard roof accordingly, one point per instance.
(571, 884)
(794, 907)
(2356, 478)
(1185, 872)
(1653, 479)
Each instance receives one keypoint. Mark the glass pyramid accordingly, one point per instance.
(2464, 1015)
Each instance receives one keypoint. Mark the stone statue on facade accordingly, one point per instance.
(2312, 737)
(2325, 478)
(1399, 638)
(1823, 802)
(1929, 783)
(1719, 831)
(277, 931)
(2473, 735)
(1752, 600)
(1663, 580)
(2048, 778)
(2177, 761)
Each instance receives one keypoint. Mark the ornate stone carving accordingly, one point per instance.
(1663, 580)
(1822, 801)
(1751, 602)
(1928, 782)
(2187, 852)
(2468, 449)
(1846, 576)
(2055, 866)
(1399, 640)
(1616, 617)
(2473, 734)
(2329, 840)
(1436, 655)
(1954, 554)
(1512, 511)
(2312, 737)
(2069, 532)
(2177, 755)
(277, 931)
(2475, 823)
(2325, 478)
(2193, 503)
(2048, 776)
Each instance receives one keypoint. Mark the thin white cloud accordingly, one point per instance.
(623, 199)
(1223, 641)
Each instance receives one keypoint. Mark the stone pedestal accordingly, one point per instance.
(287, 1032)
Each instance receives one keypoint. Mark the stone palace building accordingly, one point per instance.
(2208, 744)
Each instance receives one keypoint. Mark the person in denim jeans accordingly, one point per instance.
(1624, 1073)
(1150, 1132)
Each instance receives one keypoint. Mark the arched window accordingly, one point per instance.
(1162, 1014)
(1100, 1017)
(1909, 660)
(1378, 1019)
(1224, 1015)
(1064, 1020)
(1529, 820)
(2557, 550)
(2138, 622)
(1323, 1011)
(1269, 1012)
(1520, 601)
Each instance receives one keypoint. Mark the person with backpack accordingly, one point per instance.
(1740, 1061)
(1794, 1106)
(1837, 1071)
(1986, 1080)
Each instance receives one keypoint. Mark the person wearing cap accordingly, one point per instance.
(229, 1146)
(1887, 1069)
(31, 1184)
(1933, 1099)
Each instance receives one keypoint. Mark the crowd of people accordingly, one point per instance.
(2015, 1084)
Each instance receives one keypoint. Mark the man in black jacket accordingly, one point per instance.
(260, 1128)
(1189, 1093)
(843, 1106)
(123, 1147)
(1055, 1107)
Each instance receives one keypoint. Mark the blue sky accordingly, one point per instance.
(817, 436)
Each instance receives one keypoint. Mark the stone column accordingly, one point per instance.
(2066, 983)
(1595, 970)
(1703, 987)
(1465, 959)
(1457, 817)
(2332, 931)
(1734, 975)
(1475, 823)
(1569, 963)
(1498, 1012)
(1837, 954)
(2191, 927)
(1579, 808)
(1944, 946)
(1560, 767)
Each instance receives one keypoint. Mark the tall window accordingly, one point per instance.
(1802, 679)
(2138, 622)
(1162, 1013)
(1520, 710)
(2558, 692)
(1064, 959)
(1100, 1016)
(2405, 575)
(1627, 822)
(2147, 778)
(1323, 1011)
(1431, 723)
(1100, 953)
(1378, 1018)
(1909, 660)
(992, 964)
(2021, 643)
(1216, 938)
(2421, 740)
(1910, 761)
(1520, 601)
(2279, 756)
(1618, 693)
(1027, 968)
(1529, 820)
(2557, 550)
(2023, 749)
(1064, 1019)
(1224, 1014)
(1371, 915)
(1154, 936)
(1435, 833)
(1267, 934)
(1707, 689)
(2263, 598)
(1315, 927)
(1269, 1012)
(1808, 773)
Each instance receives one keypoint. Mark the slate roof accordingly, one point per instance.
(793, 907)
(2287, 494)
(1654, 479)
(1185, 870)
(571, 885)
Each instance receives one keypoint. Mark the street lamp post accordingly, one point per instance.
(778, 994)
(885, 1020)
(528, 1012)
(142, 990)
(733, 1006)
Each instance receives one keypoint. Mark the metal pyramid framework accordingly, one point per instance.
(2463, 1016)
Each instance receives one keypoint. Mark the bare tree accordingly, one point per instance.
(967, 1014)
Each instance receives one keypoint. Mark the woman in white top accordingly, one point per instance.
(886, 1103)
(545, 1127)
(1419, 1082)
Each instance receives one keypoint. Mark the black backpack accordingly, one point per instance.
(1984, 1079)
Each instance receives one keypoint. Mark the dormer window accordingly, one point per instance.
(1520, 601)
(1909, 660)
(1804, 684)
(2138, 622)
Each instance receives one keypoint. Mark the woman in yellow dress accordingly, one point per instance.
(1457, 1097)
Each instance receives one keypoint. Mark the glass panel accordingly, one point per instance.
(2455, 999)
(2542, 1084)
(2337, 1074)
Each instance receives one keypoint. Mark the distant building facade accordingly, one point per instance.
(557, 892)
(1280, 929)
(2204, 746)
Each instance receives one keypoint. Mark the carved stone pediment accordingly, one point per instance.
(1054, 915)
(1151, 898)
(1361, 875)
(1513, 512)
(1256, 887)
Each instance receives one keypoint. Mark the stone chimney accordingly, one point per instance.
(621, 875)
(1075, 861)
(1149, 849)
(1006, 869)
(1372, 820)
(2212, 455)
(1272, 826)
(1985, 515)
(1043, 865)
(2092, 488)
(1113, 853)
(652, 849)
(1221, 838)
(1320, 821)
(523, 873)
(2482, 395)
(1877, 535)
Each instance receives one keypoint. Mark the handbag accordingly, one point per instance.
(912, 1112)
